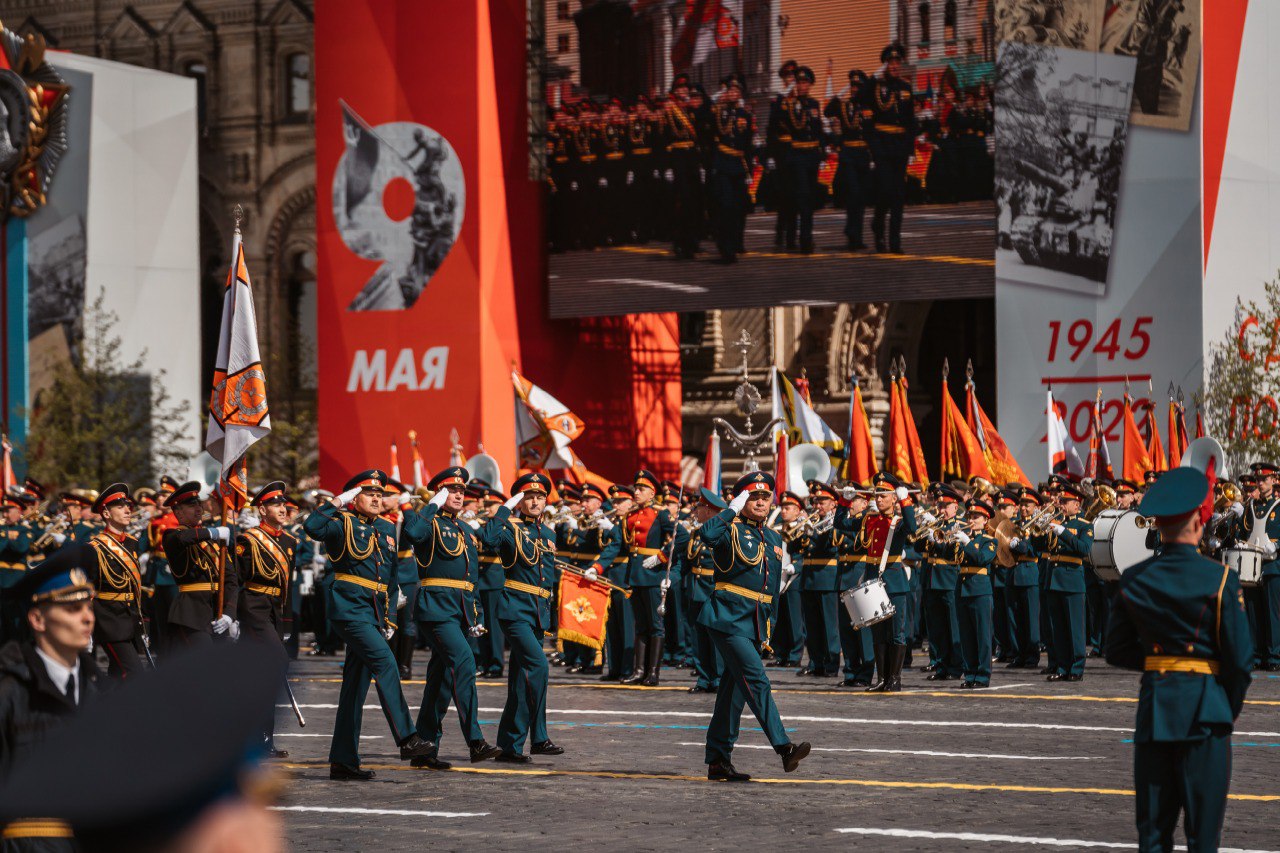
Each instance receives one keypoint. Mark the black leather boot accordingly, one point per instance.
(655, 662)
(895, 657)
(723, 771)
(415, 746)
(792, 754)
(882, 673)
(638, 673)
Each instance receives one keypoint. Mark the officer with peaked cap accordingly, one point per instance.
(1180, 619)
(748, 558)
(110, 559)
(362, 597)
(15, 543)
(448, 612)
(527, 549)
(1263, 598)
(893, 122)
(1066, 546)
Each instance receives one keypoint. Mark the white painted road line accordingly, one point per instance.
(322, 734)
(1074, 843)
(930, 752)
(394, 812)
(860, 721)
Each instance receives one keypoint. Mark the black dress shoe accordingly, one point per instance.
(275, 752)
(723, 771)
(966, 685)
(1271, 667)
(592, 670)
(978, 686)
(933, 667)
(939, 676)
(404, 673)
(803, 672)
(574, 669)
(344, 773)
(855, 682)
(1057, 676)
(1013, 665)
(698, 689)
(493, 673)
(792, 754)
(430, 762)
(1048, 670)
(546, 748)
(608, 677)
(415, 747)
(507, 757)
(1073, 678)
(481, 751)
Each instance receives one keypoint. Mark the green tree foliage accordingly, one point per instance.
(1243, 385)
(105, 419)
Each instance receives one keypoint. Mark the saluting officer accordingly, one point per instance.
(362, 597)
(885, 534)
(15, 543)
(748, 558)
(893, 122)
(193, 552)
(264, 569)
(819, 599)
(1180, 619)
(448, 612)
(527, 548)
(110, 559)
(641, 538)
(1065, 548)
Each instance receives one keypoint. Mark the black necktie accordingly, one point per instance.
(71, 688)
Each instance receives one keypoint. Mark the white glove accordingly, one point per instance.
(1269, 548)
(388, 632)
(1058, 529)
(1237, 509)
(571, 522)
(591, 575)
(848, 493)
(605, 524)
(598, 514)
(901, 493)
(221, 534)
(476, 631)
(222, 624)
(788, 568)
(59, 538)
(739, 502)
(514, 500)
(961, 537)
(664, 584)
(669, 175)
(205, 492)
(1014, 541)
(771, 164)
(346, 497)
(928, 516)
(404, 498)
(235, 630)
(143, 560)
(475, 525)
(439, 498)
(631, 178)
(651, 561)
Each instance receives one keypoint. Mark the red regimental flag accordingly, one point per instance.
(962, 455)
(1136, 460)
(584, 610)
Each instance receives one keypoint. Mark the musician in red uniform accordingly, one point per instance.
(884, 535)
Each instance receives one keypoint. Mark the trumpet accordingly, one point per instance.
(928, 529)
(1040, 521)
(55, 527)
(1226, 493)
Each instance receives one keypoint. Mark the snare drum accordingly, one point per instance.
(1119, 541)
(868, 604)
(1247, 562)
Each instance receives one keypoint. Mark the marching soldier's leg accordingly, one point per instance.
(1205, 776)
(1030, 597)
(1076, 651)
(815, 631)
(1000, 623)
(449, 638)
(1093, 611)
(898, 199)
(429, 726)
(366, 642)
(1058, 631)
(743, 660)
(494, 641)
(621, 636)
(968, 639)
(526, 690)
(1158, 793)
(832, 613)
(723, 729)
(657, 636)
(1008, 605)
(983, 624)
(344, 747)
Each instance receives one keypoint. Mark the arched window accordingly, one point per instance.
(199, 72)
(297, 85)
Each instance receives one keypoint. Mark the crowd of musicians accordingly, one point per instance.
(723, 583)
(690, 165)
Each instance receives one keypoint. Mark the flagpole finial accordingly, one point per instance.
(1170, 389)
(968, 370)
(237, 214)
(1126, 385)
(413, 435)
(1180, 397)
(1099, 395)
(1151, 391)
(946, 368)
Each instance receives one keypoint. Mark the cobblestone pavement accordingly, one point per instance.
(1025, 765)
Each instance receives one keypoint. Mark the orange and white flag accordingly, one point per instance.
(238, 413)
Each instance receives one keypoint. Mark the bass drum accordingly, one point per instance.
(1119, 541)
(1246, 562)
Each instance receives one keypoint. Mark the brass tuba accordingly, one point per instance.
(1104, 498)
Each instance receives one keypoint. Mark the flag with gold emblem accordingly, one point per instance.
(584, 610)
(238, 413)
(962, 455)
(544, 426)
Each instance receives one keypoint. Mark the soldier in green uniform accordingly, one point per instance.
(699, 572)
(620, 632)
(15, 542)
(788, 633)
(489, 589)
(527, 549)
(1180, 618)
(800, 120)
(1023, 590)
(855, 646)
(941, 613)
(819, 600)
(893, 123)
(194, 555)
(83, 522)
(110, 560)
(264, 568)
(448, 612)
(884, 536)
(362, 596)
(396, 502)
(975, 553)
(1065, 547)
(748, 559)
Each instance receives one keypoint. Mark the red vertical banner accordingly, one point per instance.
(415, 288)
